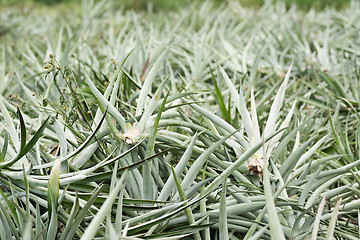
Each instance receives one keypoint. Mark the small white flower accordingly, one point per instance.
(131, 134)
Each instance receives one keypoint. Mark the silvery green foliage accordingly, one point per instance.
(223, 121)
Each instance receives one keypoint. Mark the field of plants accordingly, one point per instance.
(206, 122)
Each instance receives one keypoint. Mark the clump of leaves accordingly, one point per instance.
(129, 133)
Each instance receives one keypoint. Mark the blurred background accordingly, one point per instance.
(170, 5)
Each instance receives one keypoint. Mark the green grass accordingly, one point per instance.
(169, 5)
(200, 123)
